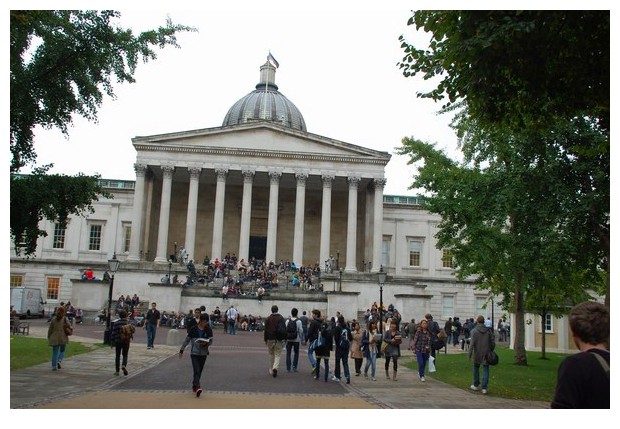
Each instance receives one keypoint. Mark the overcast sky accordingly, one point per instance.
(338, 66)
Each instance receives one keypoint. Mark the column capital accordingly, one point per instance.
(168, 170)
(221, 174)
(248, 175)
(194, 172)
(140, 169)
(274, 177)
(327, 180)
(301, 177)
(353, 182)
(380, 183)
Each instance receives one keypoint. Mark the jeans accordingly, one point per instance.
(58, 353)
(342, 355)
(295, 346)
(311, 358)
(318, 367)
(422, 359)
(124, 350)
(232, 327)
(485, 375)
(371, 362)
(151, 330)
(198, 364)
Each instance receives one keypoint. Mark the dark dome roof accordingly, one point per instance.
(265, 103)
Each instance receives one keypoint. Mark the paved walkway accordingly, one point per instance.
(87, 384)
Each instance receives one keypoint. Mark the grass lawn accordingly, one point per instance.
(535, 382)
(27, 351)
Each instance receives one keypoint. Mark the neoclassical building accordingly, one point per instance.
(258, 186)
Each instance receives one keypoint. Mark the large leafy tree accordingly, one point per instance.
(528, 209)
(62, 63)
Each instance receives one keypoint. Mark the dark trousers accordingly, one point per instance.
(124, 350)
(358, 365)
(294, 345)
(198, 364)
(342, 356)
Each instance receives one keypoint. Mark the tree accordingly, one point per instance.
(62, 63)
(530, 94)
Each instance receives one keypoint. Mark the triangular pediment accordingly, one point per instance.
(259, 137)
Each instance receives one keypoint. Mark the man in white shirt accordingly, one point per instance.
(231, 315)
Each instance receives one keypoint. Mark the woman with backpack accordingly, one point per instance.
(422, 341)
(57, 336)
(322, 350)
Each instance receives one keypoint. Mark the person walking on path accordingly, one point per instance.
(292, 343)
(323, 350)
(482, 341)
(342, 337)
(313, 332)
(304, 327)
(421, 346)
(393, 339)
(57, 337)
(120, 338)
(274, 335)
(583, 378)
(356, 348)
(370, 348)
(201, 337)
(153, 318)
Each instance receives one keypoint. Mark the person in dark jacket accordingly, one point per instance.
(121, 348)
(342, 351)
(482, 341)
(323, 351)
(272, 340)
(421, 345)
(313, 332)
(200, 336)
(583, 378)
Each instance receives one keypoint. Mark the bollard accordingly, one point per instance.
(175, 338)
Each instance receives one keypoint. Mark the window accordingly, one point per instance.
(548, 323)
(385, 251)
(447, 306)
(94, 240)
(447, 261)
(16, 281)
(53, 287)
(481, 302)
(126, 236)
(59, 236)
(415, 253)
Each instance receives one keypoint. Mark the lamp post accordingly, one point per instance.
(381, 275)
(337, 259)
(340, 283)
(319, 281)
(113, 264)
(175, 251)
(169, 271)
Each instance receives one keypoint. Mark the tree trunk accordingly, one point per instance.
(520, 357)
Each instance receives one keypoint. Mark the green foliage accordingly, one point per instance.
(62, 62)
(535, 382)
(26, 352)
(519, 68)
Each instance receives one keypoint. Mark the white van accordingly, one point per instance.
(27, 301)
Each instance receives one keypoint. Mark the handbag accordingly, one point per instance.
(431, 364)
(492, 358)
(68, 329)
(384, 346)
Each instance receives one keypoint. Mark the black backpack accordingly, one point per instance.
(291, 329)
(281, 330)
(343, 341)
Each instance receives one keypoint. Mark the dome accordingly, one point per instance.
(265, 103)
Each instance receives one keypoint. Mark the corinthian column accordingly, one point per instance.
(192, 207)
(138, 210)
(352, 224)
(272, 222)
(326, 213)
(300, 207)
(164, 214)
(377, 239)
(218, 213)
(246, 215)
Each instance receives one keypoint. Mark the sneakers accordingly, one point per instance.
(198, 392)
(124, 370)
(348, 381)
(275, 373)
(334, 378)
(313, 370)
(484, 391)
(373, 379)
(58, 366)
(366, 374)
(421, 379)
(116, 373)
(472, 387)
